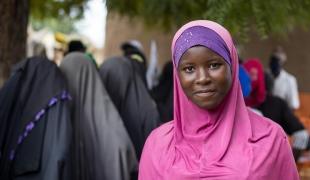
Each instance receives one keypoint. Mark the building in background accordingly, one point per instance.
(296, 44)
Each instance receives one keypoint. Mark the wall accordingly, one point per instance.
(121, 29)
(296, 44)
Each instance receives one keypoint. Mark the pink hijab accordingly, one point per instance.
(258, 93)
(229, 142)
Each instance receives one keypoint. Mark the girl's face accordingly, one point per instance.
(204, 76)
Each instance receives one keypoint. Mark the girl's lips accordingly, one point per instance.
(205, 93)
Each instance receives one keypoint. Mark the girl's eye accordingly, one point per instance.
(189, 69)
(214, 65)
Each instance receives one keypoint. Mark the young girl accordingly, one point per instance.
(213, 134)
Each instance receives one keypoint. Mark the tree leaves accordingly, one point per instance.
(239, 16)
(57, 8)
(57, 15)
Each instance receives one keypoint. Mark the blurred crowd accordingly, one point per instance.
(75, 119)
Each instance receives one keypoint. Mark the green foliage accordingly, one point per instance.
(64, 25)
(239, 16)
(57, 8)
(58, 15)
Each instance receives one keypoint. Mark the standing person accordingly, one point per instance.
(278, 110)
(285, 84)
(78, 46)
(35, 129)
(130, 95)
(245, 81)
(101, 146)
(163, 93)
(258, 91)
(133, 51)
(213, 134)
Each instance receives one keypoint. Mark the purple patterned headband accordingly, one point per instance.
(199, 35)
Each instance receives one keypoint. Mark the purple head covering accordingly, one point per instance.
(199, 35)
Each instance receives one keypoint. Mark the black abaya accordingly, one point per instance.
(34, 123)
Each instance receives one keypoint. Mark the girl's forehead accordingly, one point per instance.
(199, 52)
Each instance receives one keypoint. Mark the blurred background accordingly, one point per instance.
(257, 26)
(36, 27)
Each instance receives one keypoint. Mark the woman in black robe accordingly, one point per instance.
(102, 149)
(129, 93)
(35, 129)
(134, 54)
(163, 93)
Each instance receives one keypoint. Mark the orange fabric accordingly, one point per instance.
(303, 113)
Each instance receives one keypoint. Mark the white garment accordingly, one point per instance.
(300, 139)
(285, 87)
(152, 73)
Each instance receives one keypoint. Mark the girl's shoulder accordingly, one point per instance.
(160, 140)
(161, 134)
